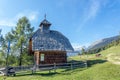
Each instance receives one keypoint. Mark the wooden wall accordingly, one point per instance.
(50, 57)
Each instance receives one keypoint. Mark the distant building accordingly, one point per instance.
(49, 46)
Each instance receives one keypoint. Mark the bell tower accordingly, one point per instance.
(45, 25)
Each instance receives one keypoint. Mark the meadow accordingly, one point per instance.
(99, 68)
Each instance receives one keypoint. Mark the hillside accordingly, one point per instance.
(102, 42)
(112, 54)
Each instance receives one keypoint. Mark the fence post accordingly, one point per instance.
(54, 67)
(71, 66)
(86, 64)
(32, 72)
(34, 69)
(49, 71)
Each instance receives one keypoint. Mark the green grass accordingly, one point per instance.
(99, 69)
(105, 71)
(112, 54)
(112, 50)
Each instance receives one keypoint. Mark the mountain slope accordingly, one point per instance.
(102, 42)
(112, 54)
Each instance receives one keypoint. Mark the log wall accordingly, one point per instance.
(50, 57)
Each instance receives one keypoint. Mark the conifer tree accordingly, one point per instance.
(19, 38)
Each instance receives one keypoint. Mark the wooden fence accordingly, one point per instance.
(49, 67)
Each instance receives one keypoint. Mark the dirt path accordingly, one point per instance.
(113, 59)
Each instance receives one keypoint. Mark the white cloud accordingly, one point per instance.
(91, 11)
(78, 46)
(30, 15)
(6, 22)
(11, 22)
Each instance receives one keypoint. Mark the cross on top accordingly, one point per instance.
(45, 16)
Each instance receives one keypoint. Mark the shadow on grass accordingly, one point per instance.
(65, 71)
(46, 74)
(37, 74)
(90, 63)
(93, 62)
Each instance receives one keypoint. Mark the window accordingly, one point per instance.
(42, 57)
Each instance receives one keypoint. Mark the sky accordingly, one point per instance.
(81, 21)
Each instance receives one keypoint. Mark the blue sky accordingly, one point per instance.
(81, 21)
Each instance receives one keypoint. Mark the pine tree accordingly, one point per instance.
(19, 38)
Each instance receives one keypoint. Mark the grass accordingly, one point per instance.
(104, 71)
(112, 54)
(98, 69)
(112, 50)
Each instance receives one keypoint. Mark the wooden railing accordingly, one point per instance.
(49, 67)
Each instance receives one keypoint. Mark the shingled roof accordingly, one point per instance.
(45, 39)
